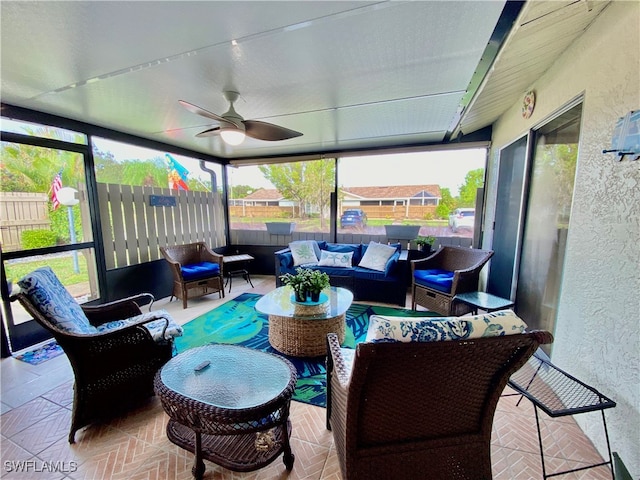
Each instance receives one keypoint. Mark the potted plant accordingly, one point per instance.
(425, 242)
(298, 282)
(318, 281)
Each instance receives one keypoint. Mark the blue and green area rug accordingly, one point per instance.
(237, 322)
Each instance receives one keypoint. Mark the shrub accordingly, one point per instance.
(31, 239)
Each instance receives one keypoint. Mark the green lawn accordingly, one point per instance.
(62, 265)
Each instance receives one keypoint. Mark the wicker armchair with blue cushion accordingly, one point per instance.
(441, 276)
(114, 349)
(417, 398)
(196, 269)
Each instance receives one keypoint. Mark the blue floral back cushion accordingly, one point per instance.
(384, 328)
(50, 297)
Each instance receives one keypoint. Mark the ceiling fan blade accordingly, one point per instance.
(206, 113)
(209, 132)
(268, 131)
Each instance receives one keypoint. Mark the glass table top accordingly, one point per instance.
(278, 302)
(236, 378)
(484, 300)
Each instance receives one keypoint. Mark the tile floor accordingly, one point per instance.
(36, 403)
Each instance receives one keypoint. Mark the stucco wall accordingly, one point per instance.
(597, 337)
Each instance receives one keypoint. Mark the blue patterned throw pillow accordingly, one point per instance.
(384, 328)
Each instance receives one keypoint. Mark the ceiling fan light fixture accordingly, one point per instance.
(232, 136)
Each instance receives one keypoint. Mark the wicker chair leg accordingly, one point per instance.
(413, 298)
(184, 296)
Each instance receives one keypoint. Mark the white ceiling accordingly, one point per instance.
(348, 75)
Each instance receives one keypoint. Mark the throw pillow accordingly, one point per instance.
(376, 256)
(433, 329)
(303, 252)
(335, 259)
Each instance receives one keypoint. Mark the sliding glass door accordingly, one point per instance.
(547, 218)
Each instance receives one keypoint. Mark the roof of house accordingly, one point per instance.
(390, 192)
(264, 194)
(394, 191)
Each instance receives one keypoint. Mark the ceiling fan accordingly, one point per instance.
(233, 127)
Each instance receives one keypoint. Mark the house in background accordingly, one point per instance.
(392, 202)
(264, 202)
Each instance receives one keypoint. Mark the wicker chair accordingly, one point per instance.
(196, 269)
(420, 410)
(464, 263)
(114, 349)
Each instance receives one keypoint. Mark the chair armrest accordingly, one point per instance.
(209, 255)
(466, 280)
(118, 309)
(428, 263)
(279, 256)
(338, 383)
(128, 329)
(336, 362)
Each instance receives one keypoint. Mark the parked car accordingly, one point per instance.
(353, 218)
(462, 218)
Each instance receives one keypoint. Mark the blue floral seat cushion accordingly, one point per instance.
(436, 278)
(54, 301)
(155, 328)
(383, 328)
(196, 271)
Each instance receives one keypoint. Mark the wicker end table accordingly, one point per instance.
(300, 330)
(234, 411)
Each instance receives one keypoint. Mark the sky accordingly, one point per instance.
(444, 168)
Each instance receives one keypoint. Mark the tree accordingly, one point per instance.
(308, 183)
(472, 181)
(241, 191)
(446, 205)
(28, 168)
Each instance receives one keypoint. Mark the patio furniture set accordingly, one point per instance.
(392, 402)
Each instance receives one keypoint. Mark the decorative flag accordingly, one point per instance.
(177, 174)
(55, 186)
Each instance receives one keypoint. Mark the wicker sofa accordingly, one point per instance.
(388, 286)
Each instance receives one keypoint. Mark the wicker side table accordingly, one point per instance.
(234, 411)
(300, 337)
(301, 330)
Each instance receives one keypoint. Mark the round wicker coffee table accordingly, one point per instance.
(300, 330)
(234, 411)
